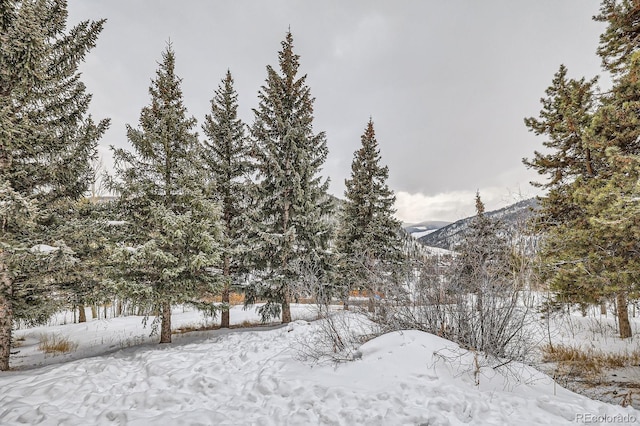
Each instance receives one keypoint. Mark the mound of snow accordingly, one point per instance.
(245, 377)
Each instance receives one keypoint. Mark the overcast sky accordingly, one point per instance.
(447, 83)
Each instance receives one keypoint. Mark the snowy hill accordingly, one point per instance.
(511, 216)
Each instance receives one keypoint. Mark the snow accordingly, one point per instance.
(116, 222)
(419, 234)
(254, 375)
(438, 251)
(44, 249)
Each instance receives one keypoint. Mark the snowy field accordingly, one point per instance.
(254, 376)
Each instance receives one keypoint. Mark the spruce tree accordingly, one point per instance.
(369, 240)
(46, 142)
(173, 239)
(291, 230)
(482, 269)
(86, 229)
(227, 161)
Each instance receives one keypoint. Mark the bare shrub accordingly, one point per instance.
(474, 296)
(337, 337)
(338, 333)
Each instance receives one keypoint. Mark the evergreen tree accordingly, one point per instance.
(615, 131)
(611, 240)
(291, 228)
(369, 240)
(565, 120)
(573, 247)
(227, 160)
(86, 229)
(46, 142)
(621, 38)
(173, 227)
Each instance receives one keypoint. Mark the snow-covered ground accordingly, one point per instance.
(255, 376)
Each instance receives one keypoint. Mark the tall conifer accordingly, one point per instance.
(46, 140)
(291, 229)
(227, 161)
(565, 121)
(369, 235)
(174, 229)
(578, 207)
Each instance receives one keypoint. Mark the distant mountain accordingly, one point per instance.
(421, 229)
(448, 237)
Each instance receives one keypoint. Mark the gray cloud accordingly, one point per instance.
(447, 83)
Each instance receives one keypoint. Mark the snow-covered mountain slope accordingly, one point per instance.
(513, 216)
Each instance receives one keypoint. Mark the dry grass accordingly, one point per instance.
(18, 342)
(187, 328)
(247, 324)
(195, 327)
(55, 344)
(589, 363)
(234, 299)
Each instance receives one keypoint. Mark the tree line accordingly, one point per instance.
(192, 218)
(247, 207)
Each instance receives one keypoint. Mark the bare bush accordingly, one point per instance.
(474, 297)
(338, 336)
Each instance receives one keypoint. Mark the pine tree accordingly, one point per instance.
(615, 131)
(565, 120)
(291, 227)
(46, 142)
(227, 159)
(611, 239)
(369, 240)
(572, 249)
(621, 38)
(173, 226)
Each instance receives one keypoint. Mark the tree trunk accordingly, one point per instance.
(82, 317)
(603, 307)
(623, 315)
(6, 314)
(286, 308)
(372, 303)
(165, 328)
(224, 319)
(94, 312)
